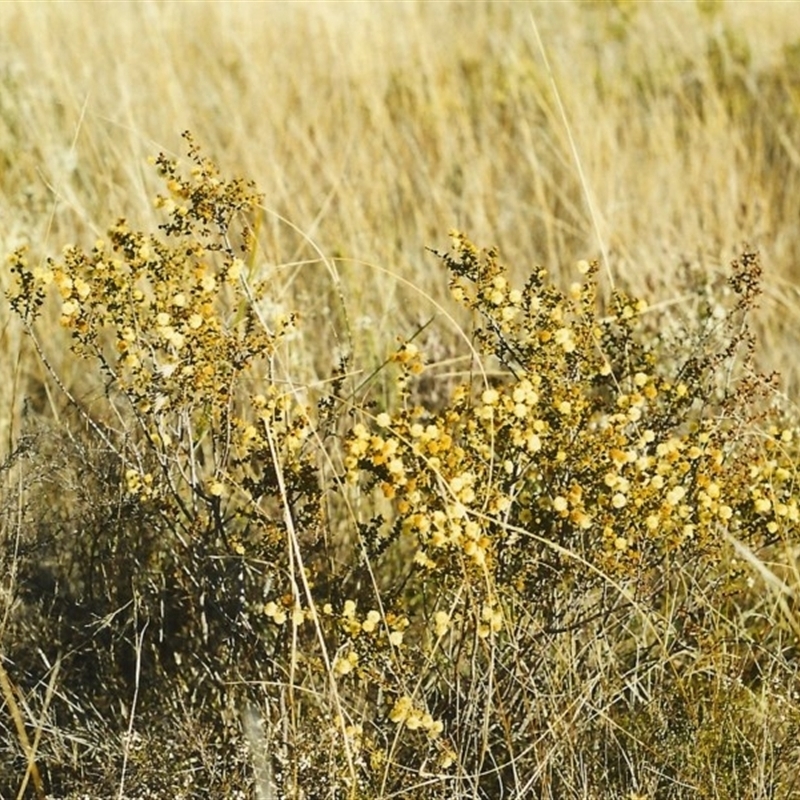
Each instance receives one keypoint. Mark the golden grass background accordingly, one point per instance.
(374, 128)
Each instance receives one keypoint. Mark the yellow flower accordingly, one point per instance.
(763, 505)
(401, 709)
(533, 443)
(68, 308)
(563, 337)
(434, 728)
(675, 495)
(442, 622)
(371, 622)
(349, 609)
(396, 638)
(619, 500)
(234, 269)
(345, 665)
(82, 288)
(414, 720)
(275, 612)
(298, 615)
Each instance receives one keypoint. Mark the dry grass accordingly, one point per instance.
(664, 138)
(374, 129)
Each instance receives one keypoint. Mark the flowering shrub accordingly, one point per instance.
(534, 588)
(588, 462)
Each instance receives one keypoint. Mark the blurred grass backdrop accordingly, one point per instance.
(374, 128)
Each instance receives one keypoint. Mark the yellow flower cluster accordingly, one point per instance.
(138, 484)
(367, 636)
(171, 319)
(405, 713)
(411, 461)
(585, 447)
(390, 628)
(287, 609)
